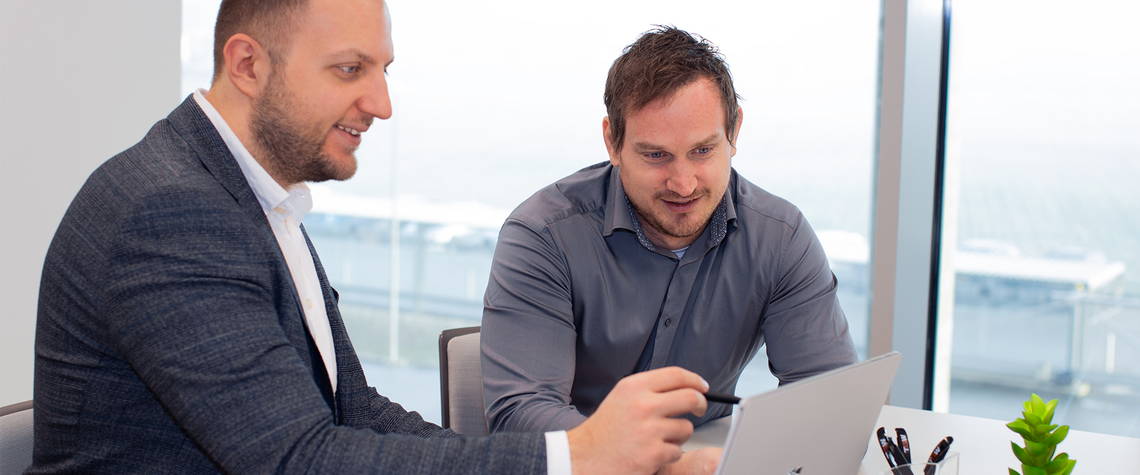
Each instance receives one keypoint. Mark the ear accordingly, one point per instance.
(615, 159)
(736, 133)
(247, 64)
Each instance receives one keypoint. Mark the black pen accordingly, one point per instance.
(903, 467)
(885, 444)
(722, 398)
(937, 455)
(904, 442)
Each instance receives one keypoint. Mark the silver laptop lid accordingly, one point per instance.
(816, 426)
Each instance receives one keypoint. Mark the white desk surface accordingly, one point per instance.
(983, 444)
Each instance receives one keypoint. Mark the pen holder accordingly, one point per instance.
(948, 466)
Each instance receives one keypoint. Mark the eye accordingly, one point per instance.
(704, 150)
(655, 155)
(351, 70)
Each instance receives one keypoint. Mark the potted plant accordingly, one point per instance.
(1041, 439)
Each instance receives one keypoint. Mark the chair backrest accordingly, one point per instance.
(461, 381)
(15, 438)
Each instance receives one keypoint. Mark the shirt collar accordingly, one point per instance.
(295, 201)
(621, 215)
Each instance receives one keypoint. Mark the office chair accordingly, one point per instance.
(461, 381)
(16, 438)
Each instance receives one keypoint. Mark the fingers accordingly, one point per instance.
(667, 379)
(682, 401)
(675, 391)
(700, 462)
(676, 431)
(634, 429)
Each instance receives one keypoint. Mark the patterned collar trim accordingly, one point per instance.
(718, 223)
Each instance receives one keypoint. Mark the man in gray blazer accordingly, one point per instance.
(185, 323)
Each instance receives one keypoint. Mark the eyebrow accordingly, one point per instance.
(354, 54)
(650, 146)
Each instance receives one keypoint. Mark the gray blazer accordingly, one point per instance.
(170, 338)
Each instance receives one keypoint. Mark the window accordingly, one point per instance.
(1042, 211)
(494, 100)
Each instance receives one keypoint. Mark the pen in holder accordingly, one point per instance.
(948, 466)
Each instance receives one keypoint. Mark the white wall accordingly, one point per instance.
(79, 82)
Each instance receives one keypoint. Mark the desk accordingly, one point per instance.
(982, 443)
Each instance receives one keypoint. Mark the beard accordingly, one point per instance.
(292, 149)
(675, 229)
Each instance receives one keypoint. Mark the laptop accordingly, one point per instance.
(816, 426)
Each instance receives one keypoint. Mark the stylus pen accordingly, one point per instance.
(937, 455)
(722, 398)
(903, 467)
(904, 442)
(885, 444)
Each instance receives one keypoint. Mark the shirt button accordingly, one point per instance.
(668, 321)
(308, 304)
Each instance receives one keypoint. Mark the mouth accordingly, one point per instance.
(681, 206)
(350, 130)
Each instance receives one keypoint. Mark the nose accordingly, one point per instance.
(682, 178)
(376, 101)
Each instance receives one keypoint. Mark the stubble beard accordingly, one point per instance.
(673, 229)
(291, 148)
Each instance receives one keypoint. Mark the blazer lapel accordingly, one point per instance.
(348, 365)
(199, 133)
(194, 127)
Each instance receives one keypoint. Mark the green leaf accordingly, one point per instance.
(1033, 470)
(1033, 419)
(1039, 450)
(1013, 472)
(1069, 469)
(1058, 464)
(1022, 455)
(1049, 408)
(1021, 428)
(1038, 404)
(1058, 436)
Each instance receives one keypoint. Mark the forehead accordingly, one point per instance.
(693, 112)
(335, 27)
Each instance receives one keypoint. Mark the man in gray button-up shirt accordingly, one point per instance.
(664, 256)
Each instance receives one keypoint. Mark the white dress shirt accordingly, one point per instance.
(285, 209)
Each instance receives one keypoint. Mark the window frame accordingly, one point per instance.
(908, 199)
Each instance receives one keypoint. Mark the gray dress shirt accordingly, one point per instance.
(579, 298)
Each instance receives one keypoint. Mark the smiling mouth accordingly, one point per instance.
(681, 206)
(351, 131)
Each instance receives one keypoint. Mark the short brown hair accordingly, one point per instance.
(660, 62)
(267, 21)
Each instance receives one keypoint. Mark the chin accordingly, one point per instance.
(341, 166)
(343, 173)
